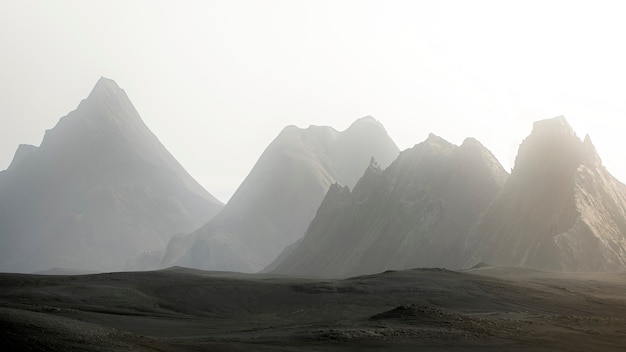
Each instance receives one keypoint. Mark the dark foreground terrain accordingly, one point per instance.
(488, 308)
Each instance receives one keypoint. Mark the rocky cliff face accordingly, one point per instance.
(99, 190)
(278, 199)
(559, 210)
(415, 213)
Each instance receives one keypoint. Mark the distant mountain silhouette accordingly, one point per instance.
(447, 206)
(278, 199)
(559, 210)
(99, 190)
(101, 193)
(415, 213)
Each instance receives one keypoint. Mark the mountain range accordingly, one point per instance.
(415, 213)
(101, 193)
(455, 207)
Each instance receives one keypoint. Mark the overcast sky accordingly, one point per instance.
(216, 81)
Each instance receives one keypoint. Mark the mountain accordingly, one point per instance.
(99, 190)
(559, 210)
(415, 213)
(278, 199)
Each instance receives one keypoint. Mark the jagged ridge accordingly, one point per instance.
(413, 214)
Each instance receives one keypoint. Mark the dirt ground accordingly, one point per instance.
(485, 309)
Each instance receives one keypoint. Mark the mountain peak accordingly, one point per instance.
(556, 125)
(473, 146)
(99, 190)
(368, 118)
(470, 142)
(366, 122)
(591, 153)
(434, 139)
(108, 103)
(106, 91)
(551, 146)
(106, 84)
(559, 210)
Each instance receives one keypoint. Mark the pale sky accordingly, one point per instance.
(216, 81)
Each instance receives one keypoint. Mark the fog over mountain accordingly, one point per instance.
(278, 199)
(559, 210)
(454, 207)
(98, 191)
(415, 213)
(101, 193)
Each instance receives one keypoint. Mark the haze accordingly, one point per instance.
(217, 81)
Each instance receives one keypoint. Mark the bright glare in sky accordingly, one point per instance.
(216, 81)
